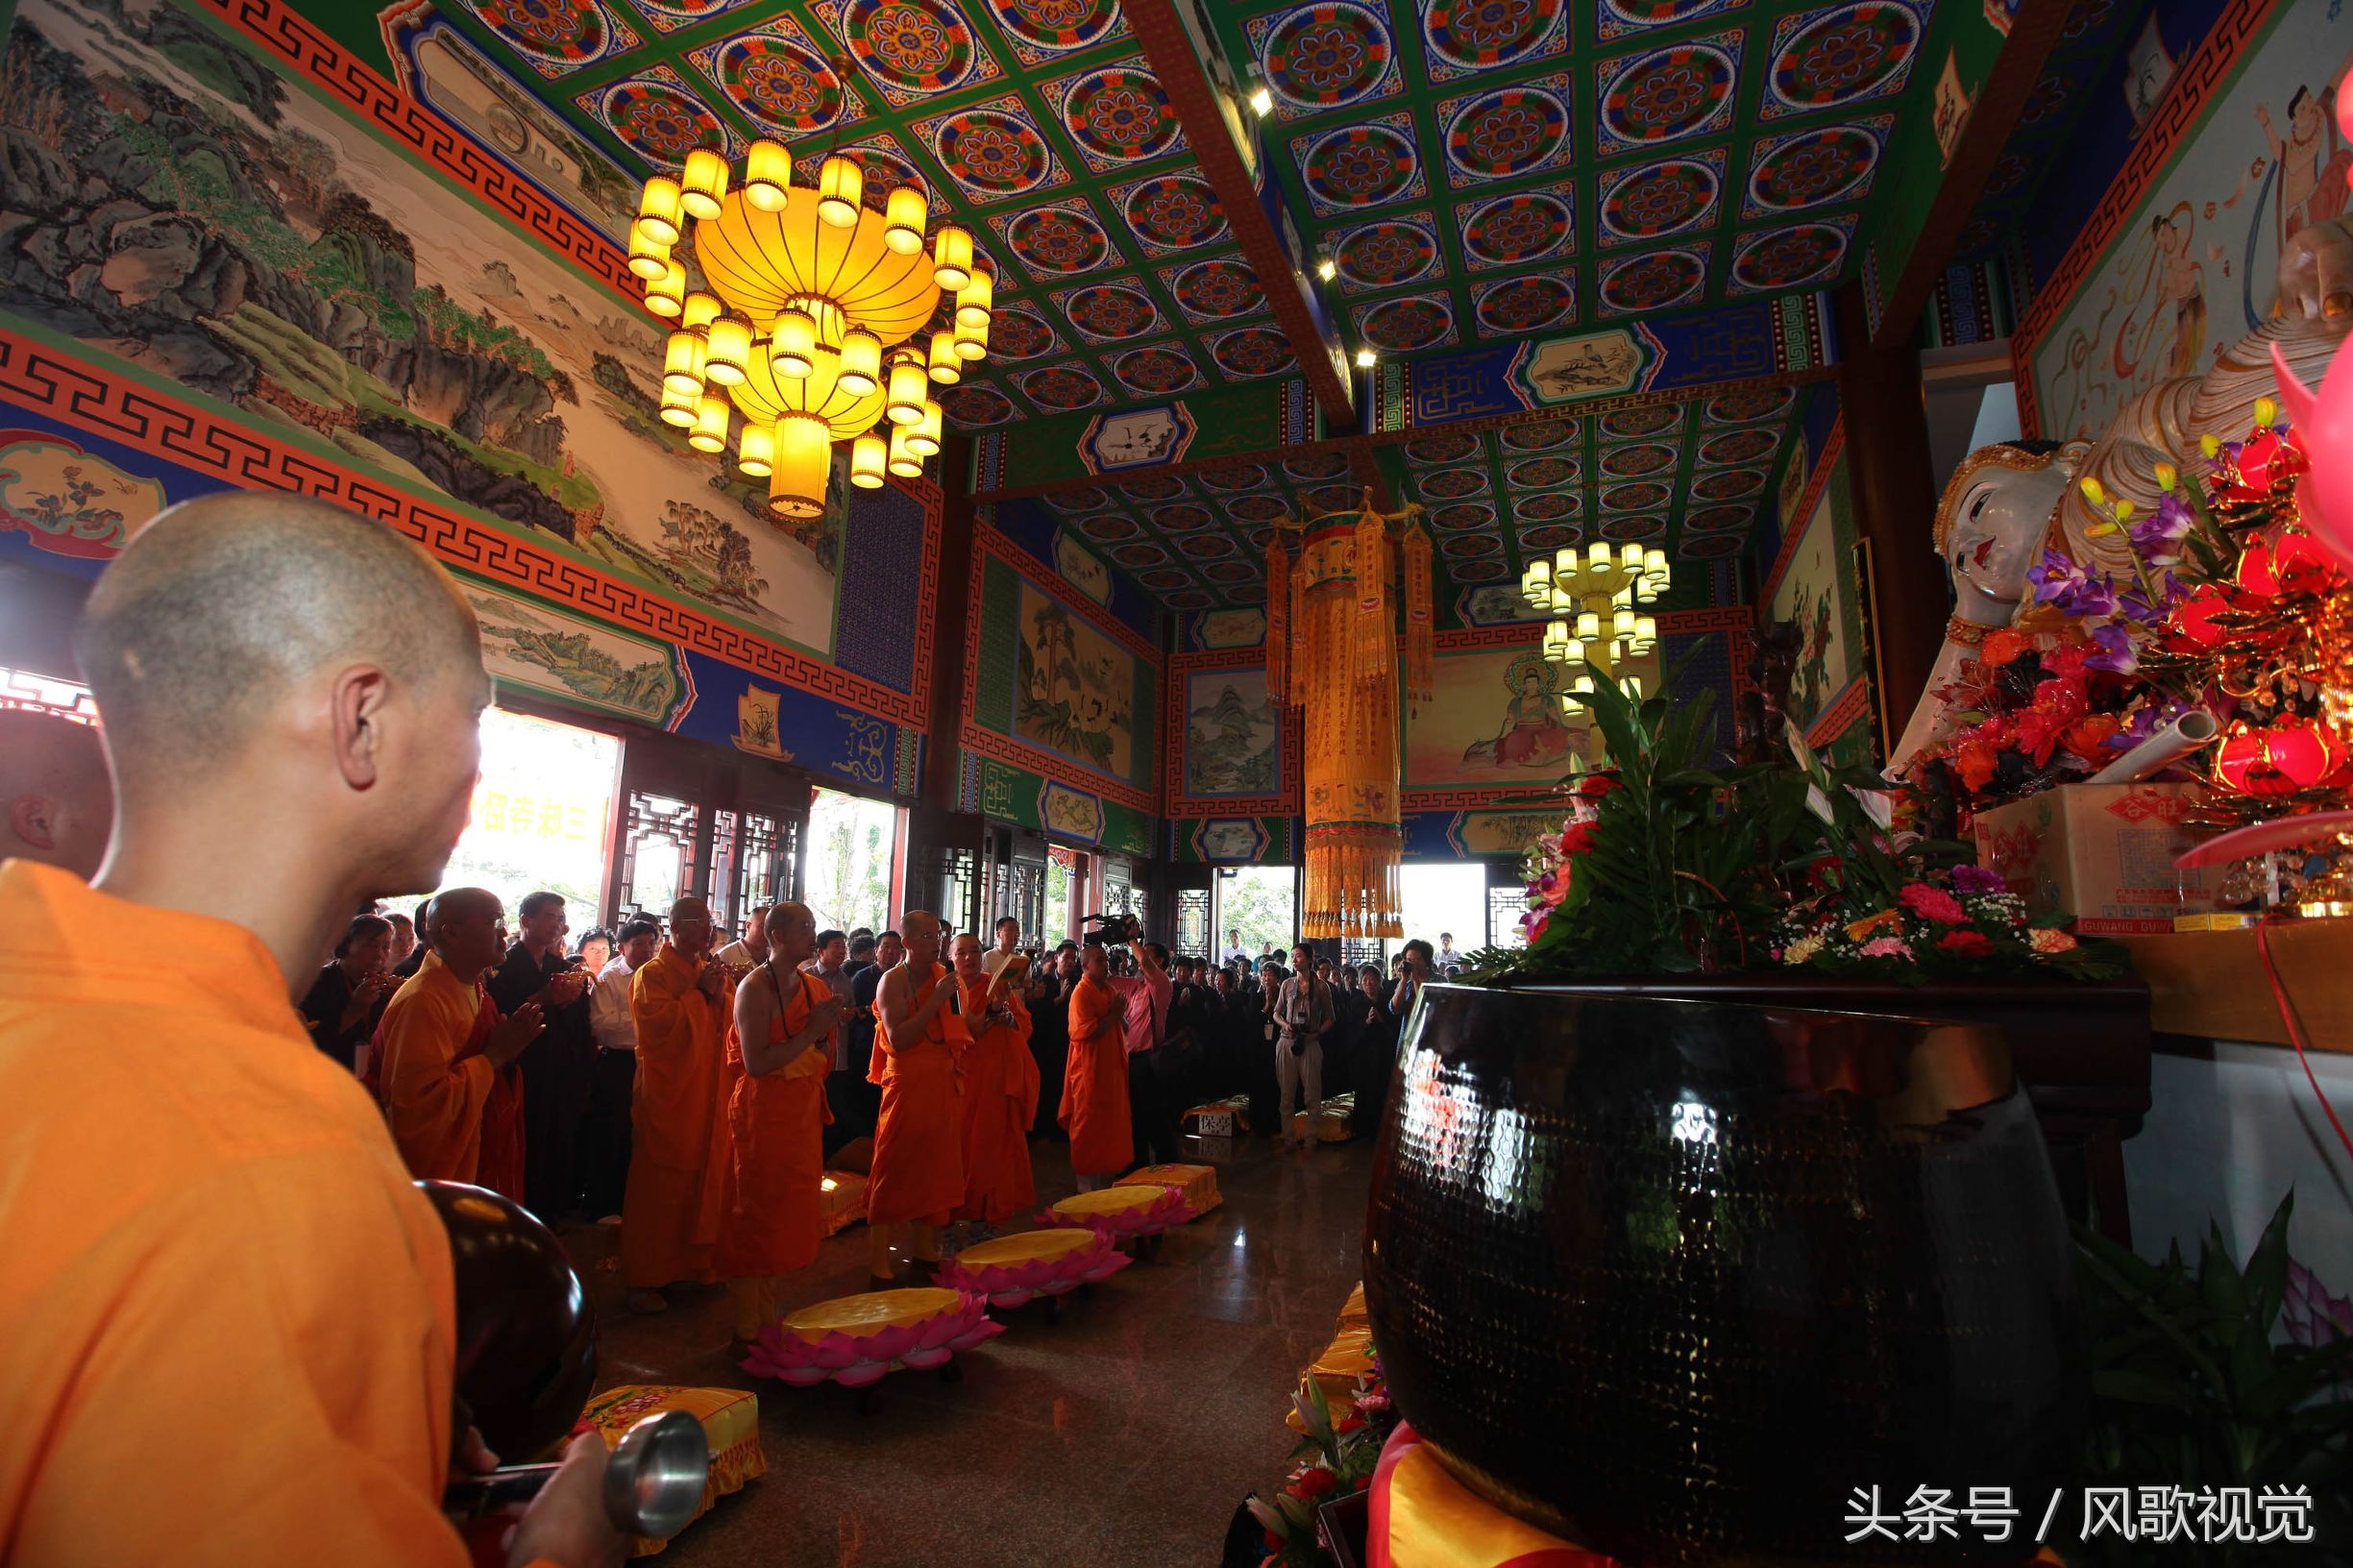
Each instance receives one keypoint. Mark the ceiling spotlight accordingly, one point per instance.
(1365, 359)
(1326, 270)
(1261, 102)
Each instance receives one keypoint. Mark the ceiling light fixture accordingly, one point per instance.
(1365, 359)
(1261, 102)
(811, 293)
(1326, 269)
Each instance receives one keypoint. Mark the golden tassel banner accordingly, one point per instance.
(1354, 846)
(1278, 616)
(1421, 624)
(1375, 655)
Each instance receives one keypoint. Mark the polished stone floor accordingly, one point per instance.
(1123, 1435)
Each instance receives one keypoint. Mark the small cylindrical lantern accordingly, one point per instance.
(903, 461)
(767, 174)
(1557, 640)
(666, 295)
(1646, 631)
(704, 182)
(699, 309)
(861, 362)
(660, 210)
(924, 435)
(710, 429)
(946, 364)
(1588, 625)
(972, 342)
(909, 388)
(1597, 556)
(648, 257)
(1629, 558)
(870, 457)
(841, 186)
(727, 356)
(903, 217)
(682, 365)
(1622, 623)
(680, 407)
(795, 343)
(975, 300)
(755, 451)
(951, 258)
(803, 464)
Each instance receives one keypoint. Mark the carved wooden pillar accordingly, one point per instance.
(943, 735)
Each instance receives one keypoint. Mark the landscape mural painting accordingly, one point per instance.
(2195, 267)
(1074, 688)
(1232, 733)
(1496, 717)
(577, 660)
(1810, 596)
(177, 202)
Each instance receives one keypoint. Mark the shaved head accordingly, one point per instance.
(690, 927)
(792, 932)
(222, 603)
(55, 799)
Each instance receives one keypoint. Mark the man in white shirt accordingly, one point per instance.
(1447, 960)
(604, 1133)
(830, 962)
(749, 951)
(1008, 943)
(1235, 952)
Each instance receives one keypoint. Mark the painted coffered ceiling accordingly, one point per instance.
(1476, 171)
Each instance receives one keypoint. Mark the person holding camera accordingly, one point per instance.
(1303, 1016)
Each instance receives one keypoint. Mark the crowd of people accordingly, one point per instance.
(204, 1179)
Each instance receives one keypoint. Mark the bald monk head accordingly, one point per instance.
(291, 695)
(54, 791)
(690, 927)
(964, 955)
(920, 929)
(467, 930)
(791, 933)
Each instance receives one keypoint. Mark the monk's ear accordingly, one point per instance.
(357, 708)
(33, 818)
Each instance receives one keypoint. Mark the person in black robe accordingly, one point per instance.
(559, 1068)
(343, 1004)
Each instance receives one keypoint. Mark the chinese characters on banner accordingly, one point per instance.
(2214, 1515)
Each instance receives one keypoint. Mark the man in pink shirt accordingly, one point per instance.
(1151, 1118)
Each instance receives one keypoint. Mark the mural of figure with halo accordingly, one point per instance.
(1534, 734)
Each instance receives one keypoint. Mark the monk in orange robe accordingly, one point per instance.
(677, 1195)
(1094, 1109)
(230, 1320)
(916, 1178)
(1000, 1090)
(776, 1120)
(447, 1081)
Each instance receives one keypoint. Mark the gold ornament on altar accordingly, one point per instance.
(817, 326)
(1596, 598)
(1332, 653)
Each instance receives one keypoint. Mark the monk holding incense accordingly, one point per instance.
(450, 1085)
(208, 1221)
(1000, 1088)
(917, 1179)
(1094, 1109)
(678, 1119)
(777, 1119)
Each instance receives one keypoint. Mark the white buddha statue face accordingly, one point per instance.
(1991, 524)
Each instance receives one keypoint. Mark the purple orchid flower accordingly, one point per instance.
(2135, 605)
(2054, 578)
(2158, 536)
(2116, 652)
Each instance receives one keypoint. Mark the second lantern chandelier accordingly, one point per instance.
(816, 324)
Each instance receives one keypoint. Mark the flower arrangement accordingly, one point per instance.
(1664, 865)
(1335, 1458)
(2232, 609)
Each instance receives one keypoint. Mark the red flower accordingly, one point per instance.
(2002, 645)
(1348, 1423)
(1313, 1483)
(1976, 763)
(1968, 944)
(1935, 903)
(1576, 839)
(1593, 786)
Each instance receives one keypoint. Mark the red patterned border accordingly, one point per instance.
(1840, 716)
(104, 404)
(285, 34)
(1806, 502)
(2178, 114)
(987, 544)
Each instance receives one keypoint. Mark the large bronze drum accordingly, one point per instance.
(1675, 1278)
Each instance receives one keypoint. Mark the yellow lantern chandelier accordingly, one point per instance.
(1596, 600)
(811, 331)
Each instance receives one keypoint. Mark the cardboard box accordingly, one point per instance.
(2102, 852)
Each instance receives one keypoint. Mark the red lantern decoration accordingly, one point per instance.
(2279, 760)
(2192, 625)
(2257, 572)
(2299, 563)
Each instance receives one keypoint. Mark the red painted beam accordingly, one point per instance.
(1169, 49)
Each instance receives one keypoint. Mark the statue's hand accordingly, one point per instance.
(2315, 276)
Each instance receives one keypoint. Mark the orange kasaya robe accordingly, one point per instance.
(1094, 1107)
(918, 1172)
(1000, 1100)
(774, 1210)
(455, 1116)
(679, 1165)
(229, 1318)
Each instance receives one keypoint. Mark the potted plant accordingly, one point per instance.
(1720, 1202)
